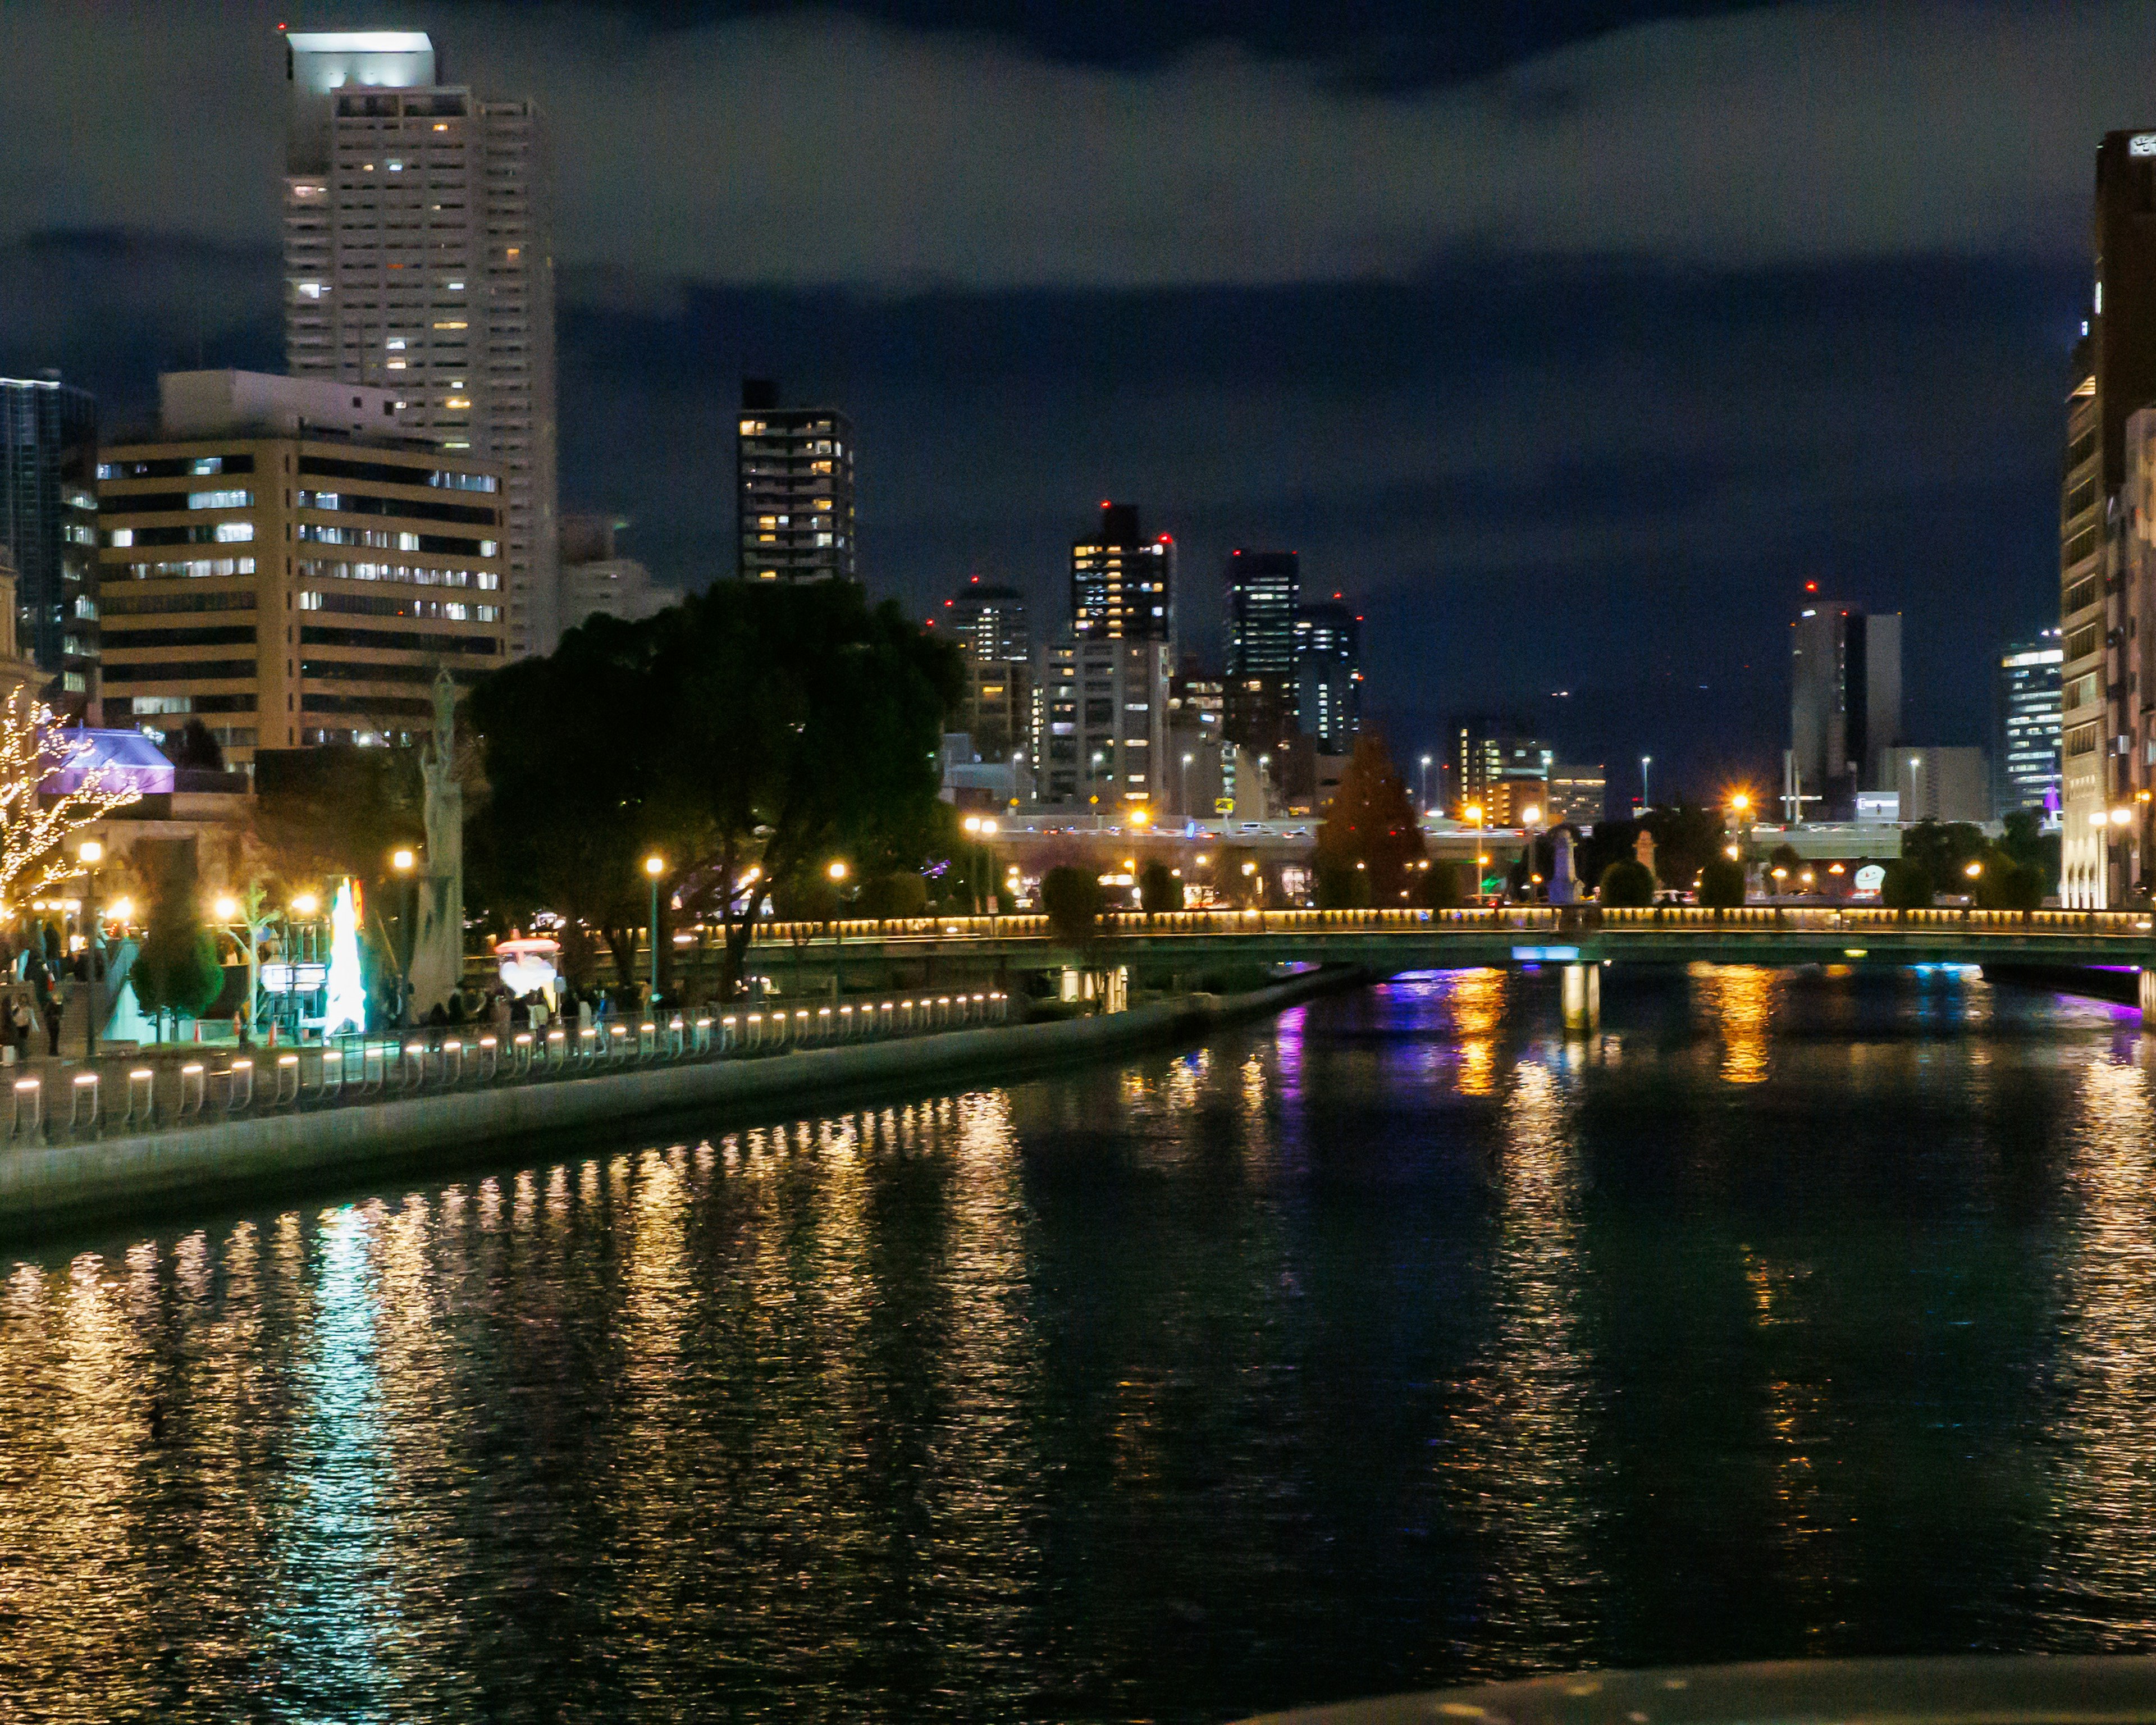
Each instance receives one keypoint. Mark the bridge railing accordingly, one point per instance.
(1482, 919)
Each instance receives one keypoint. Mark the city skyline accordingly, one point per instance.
(1598, 493)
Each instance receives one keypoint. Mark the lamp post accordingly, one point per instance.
(402, 862)
(1473, 811)
(1425, 787)
(1183, 786)
(1530, 818)
(1645, 761)
(90, 853)
(654, 867)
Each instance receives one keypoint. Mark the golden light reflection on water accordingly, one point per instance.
(1525, 1452)
(1737, 1001)
(1477, 999)
(2102, 1557)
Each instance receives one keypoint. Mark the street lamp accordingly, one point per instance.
(1473, 811)
(91, 854)
(1425, 787)
(1645, 761)
(1183, 786)
(654, 866)
(402, 860)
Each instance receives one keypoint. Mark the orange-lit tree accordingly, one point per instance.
(1369, 843)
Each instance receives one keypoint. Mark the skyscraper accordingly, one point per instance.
(1121, 587)
(987, 623)
(49, 523)
(1264, 590)
(419, 258)
(794, 488)
(1845, 700)
(1328, 673)
(2027, 745)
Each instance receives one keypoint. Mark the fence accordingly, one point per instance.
(79, 1101)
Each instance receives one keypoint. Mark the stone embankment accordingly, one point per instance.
(86, 1182)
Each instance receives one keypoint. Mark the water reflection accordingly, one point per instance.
(1405, 1342)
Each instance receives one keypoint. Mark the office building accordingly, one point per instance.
(277, 565)
(1328, 675)
(2026, 748)
(1264, 592)
(1200, 758)
(1845, 702)
(1122, 586)
(419, 259)
(1936, 783)
(794, 488)
(1100, 733)
(597, 581)
(985, 622)
(1493, 753)
(48, 526)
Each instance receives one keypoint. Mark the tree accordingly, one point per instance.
(1159, 890)
(1071, 898)
(1341, 885)
(176, 970)
(2029, 844)
(1687, 838)
(580, 788)
(1784, 857)
(1722, 883)
(196, 748)
(1371, 821)
(798, 725)
(1627, 882)
(891, 897)
(2006, 885)
(50, 787)
(1907, 885)
(1943, 850)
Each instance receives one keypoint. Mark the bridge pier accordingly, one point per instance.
(1582, 993)
(2148, 999)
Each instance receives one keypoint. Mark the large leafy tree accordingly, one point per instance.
(580, 759)
(751, 736)
(1943, 850)
(1371, 821)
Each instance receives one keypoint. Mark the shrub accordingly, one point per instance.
(177, 969)
(1158, 888)
(1340, 886)
(2006, 885)
(1626, 883)
(1071, 899)
(1441, 889)
(1722, 883)
(1907, 885)
(888, 897)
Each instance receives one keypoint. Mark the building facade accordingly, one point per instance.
(1121, 586)
(997, 713)
(1263, 596)
(1577, 794)
(1100, 732)
(1328, 675)
(985, 622)
(2025, 760)
(290, 580)
(596, 580)
(1844, 701)
(1936, 783)
(1491, 755)
(793, 490)
(48, 526)
(419, 259)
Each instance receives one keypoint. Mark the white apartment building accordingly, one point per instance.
(1100, 725)
(419, 258)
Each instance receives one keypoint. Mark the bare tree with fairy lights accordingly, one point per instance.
(36, 750)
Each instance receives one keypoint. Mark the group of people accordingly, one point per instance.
(38, 978)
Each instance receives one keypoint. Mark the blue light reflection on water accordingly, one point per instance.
(1405, 1340)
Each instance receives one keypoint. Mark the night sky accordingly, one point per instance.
(1568, 340)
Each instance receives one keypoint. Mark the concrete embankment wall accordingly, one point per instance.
(46, 1187)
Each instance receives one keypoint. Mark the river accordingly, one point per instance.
(1397, 1343)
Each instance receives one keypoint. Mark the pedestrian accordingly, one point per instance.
(55, 1011)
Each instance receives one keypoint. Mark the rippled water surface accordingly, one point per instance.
(1398, 1343)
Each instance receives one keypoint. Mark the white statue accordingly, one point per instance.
(438, 946)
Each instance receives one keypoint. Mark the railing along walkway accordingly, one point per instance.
(111, 1096)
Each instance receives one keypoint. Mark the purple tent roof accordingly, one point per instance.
(130, 759)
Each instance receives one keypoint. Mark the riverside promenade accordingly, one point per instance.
(120, 1140)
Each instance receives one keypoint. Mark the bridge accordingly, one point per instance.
(1583, 938)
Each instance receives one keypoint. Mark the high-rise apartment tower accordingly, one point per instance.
(1328, 673)
(419, 259)
(794, 488)
(987, 623)
(2027, 744)
(1122, 586)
